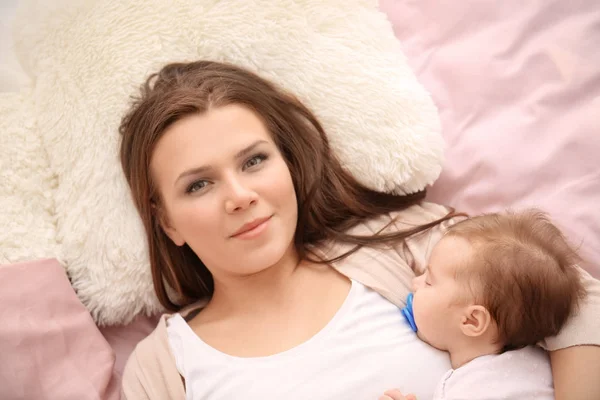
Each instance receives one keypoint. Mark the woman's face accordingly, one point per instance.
(226, 191)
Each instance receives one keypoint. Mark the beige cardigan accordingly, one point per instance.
(151, 373)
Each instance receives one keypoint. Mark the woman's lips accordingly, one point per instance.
(252, 228)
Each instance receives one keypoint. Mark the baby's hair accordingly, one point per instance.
(523, 271)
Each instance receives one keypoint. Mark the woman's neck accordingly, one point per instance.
(262, 292)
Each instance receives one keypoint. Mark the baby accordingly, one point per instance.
(495, 286)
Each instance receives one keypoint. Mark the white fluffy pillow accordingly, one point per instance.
(27, 230)
(88, 57)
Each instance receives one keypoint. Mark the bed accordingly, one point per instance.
(518, 93)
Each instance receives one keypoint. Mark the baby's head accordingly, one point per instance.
(502, 280)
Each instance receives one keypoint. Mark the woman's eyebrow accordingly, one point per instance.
(249, 149)
(193, 171)
(206, 168)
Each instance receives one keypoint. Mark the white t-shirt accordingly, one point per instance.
(365, 349)
(514, 375)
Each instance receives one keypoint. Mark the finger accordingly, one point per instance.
(394, 394)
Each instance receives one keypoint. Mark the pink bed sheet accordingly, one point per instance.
(123, 339)
(517, 85)
(50, 347)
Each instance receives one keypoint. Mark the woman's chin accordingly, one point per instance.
(264, 259)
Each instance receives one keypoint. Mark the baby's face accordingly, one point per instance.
(437, 305)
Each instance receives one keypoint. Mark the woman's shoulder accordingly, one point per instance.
(411, 217)
(153, 344)
(417, 247)
(404, 220)
(389, 268)
(151, 371)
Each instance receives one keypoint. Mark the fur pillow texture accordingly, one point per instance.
(27, 223)
(87, 58)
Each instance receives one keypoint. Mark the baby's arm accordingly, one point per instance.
(395, 394)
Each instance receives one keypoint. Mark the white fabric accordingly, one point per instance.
(514, 375)
(87, 57)
(365, 349)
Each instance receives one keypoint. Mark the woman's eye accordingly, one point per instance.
(254, 161)
(196, 186)
(427, 283)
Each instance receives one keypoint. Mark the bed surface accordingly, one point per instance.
(518, 90)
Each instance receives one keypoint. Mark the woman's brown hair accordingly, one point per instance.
(330, 200)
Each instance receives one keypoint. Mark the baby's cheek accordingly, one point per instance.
(418, 312)
(426, 332)
(423, 319)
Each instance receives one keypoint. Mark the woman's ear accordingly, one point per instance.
(163, 221)
(475, 321)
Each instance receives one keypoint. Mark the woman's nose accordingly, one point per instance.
(239, 196)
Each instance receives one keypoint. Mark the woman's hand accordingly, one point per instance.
(395, 394)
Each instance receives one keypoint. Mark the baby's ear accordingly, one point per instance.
(475, 321)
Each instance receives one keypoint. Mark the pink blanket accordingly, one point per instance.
(50, 347)
(518, 89)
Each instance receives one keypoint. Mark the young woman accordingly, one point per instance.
(283, 272)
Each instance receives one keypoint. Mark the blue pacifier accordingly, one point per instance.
(408, 312)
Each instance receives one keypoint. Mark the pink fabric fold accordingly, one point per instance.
(518, 90)
(50, 347)
(124, 338)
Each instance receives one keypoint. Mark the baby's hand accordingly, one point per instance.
(395, 394)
